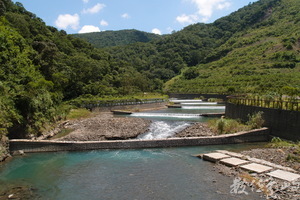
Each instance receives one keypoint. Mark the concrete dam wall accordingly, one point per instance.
(32, 146)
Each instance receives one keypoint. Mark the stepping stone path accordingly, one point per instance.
(252, 164)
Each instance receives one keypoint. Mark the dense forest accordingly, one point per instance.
(41, 67)
(117, 38)
(254, 50)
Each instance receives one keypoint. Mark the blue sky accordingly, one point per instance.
(157, 16)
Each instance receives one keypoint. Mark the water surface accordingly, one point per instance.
(171, 173)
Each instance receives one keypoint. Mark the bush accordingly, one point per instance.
(256, 120)
(226, 126)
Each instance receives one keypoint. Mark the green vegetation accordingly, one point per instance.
(294, 154)
(117, 38)
(62, 133)
(256, 120)
(78, 113)
(259, 58)
(226, 126)
(253, 50)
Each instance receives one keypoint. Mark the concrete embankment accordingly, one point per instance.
(31, 146)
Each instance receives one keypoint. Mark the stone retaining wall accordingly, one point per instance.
(31, 146)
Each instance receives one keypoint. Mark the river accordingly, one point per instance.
(170, 173)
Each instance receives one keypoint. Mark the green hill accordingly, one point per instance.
(41, 67)
(261, 58)
(255, 49)
(117, 38)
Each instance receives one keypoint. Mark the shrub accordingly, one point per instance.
(256, 120)
(226, 126)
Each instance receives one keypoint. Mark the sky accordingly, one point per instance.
(156, 16)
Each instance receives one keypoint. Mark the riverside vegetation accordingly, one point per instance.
(253, 50)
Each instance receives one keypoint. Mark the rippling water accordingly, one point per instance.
(124, 174)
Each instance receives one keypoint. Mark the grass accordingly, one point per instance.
(78, 113)
(294, 155)
(227, 126)
(63, 133)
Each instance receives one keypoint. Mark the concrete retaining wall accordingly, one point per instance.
(31, 146)
(282, 123)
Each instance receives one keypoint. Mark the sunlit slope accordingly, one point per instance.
(262, 58)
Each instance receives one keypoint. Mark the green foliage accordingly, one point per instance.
(261, 55)
(227, 126)
(78, 113)
(117, 38)
(253, 50)
(277, 142)
(256, 120)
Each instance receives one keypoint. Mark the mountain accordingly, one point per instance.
(261, 58)
(255, 50)
(117, 38)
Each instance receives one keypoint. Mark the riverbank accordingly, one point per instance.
(4, 154)
(271, 188)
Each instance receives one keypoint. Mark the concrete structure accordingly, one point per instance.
(249, 164)
(27, 146)
(283, 123)
(233, 162)
(284, 175)
(214, 157)
(194, 96)
(257, 168)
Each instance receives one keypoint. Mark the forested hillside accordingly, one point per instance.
(41, 67)
(261, 58)
(117, 38)
(255, 49)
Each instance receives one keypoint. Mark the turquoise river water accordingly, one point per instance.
(142, 174)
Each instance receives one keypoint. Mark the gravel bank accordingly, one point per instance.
(196, 130)
(104, 126)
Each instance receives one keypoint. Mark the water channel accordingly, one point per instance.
(170, 173)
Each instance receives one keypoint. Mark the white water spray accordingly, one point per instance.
(163, 129)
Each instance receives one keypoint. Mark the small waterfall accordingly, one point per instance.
(204, 107)
(169, 115)
(163, 129)
(186, 101)
(200, 103)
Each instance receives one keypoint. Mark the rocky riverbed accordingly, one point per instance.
(104, 126)
(196, 130)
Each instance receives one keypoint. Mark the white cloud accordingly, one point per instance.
(224, 6)
(103, 23)
(85, 1)
(89, 29)
(187, 19)
(156, 31)
(67, 20)
(94, 9)
(205, 9)
(125, 16)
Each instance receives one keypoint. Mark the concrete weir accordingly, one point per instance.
(31, 146)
